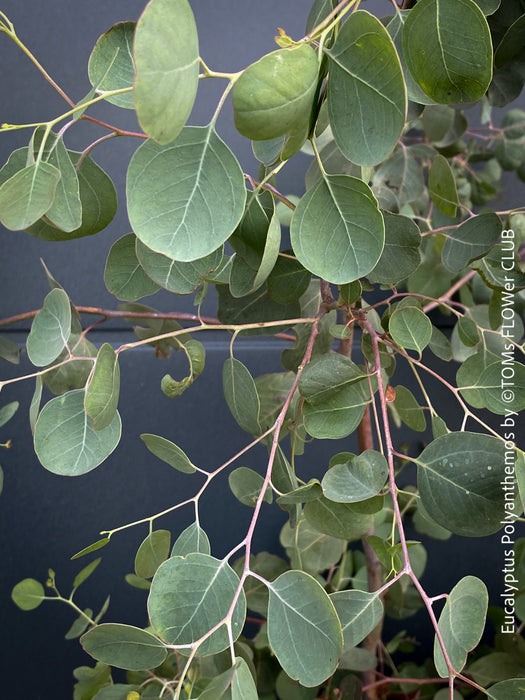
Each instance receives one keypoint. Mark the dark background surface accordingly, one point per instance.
(44, 519)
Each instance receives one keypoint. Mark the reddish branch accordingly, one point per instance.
(110, 313)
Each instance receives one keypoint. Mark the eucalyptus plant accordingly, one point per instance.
(396, 231)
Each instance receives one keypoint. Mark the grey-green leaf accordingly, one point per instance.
(408, 408)
(65, 441)
(191, 595)
(337, 230)
(395, 29)
(357, 479)
(99, 203)
(243, 685)
(152, 552)
(86, 572)
(169, 452)
(241, 395)
(450, 66)
(400, 256)
(166, 54)
(123, 275)
(28, 594)
(91, 548)
(177, 277)
(359, 612)
(459, 477)
(461, 623)
(507, 690)
(274, 95)
(50, 329)
(9, 351)
(310, 550)
(27, 195)
(192, 539)
(410, 328)
(470, 241)
(187, 197)
(103, 389)
(111, 66)
(340, 414)
(8, 411)
(246, 485)
(124, 646)
(366, 90)
(342, 520)
(66, 211)
(303, 628)
(442, 186)
(79, 626)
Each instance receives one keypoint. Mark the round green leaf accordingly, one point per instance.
(400, 256)
(470, 241)
(408, 409)
(65, 441)
(124, 646)
(303, 628)
(450, 66)
(357, 479)
(507, 690)
(340, 414)
(166, 53)
(342, 520)
(111, 66)
(274, 95)
(169, 452)
(366, 90)
(459, 477)
(177, 277)
(99, 203)
(461, 623)
(192, 539)
(123, 275)
(191, 595)
(337, 230)
(28, 594)
(152, 552)
(27, 195)
(185, 198)
(359, 612)
(410, 328)
(50, 329)
(491, 385)
(310, 549)
(246, 486)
